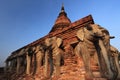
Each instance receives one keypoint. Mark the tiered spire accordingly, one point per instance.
(62, 20)
(62, 12)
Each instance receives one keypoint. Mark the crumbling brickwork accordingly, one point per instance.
(35, 61)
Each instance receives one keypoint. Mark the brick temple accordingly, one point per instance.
(69, 69)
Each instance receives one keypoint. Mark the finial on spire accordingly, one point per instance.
(62, 12)
(62, 8)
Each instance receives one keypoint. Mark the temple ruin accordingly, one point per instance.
(63, 55)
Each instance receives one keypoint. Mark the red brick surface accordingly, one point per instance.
(72, 69)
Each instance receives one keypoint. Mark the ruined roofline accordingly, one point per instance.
(76, 23)
(81, 21)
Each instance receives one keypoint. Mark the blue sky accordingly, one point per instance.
(24, 21)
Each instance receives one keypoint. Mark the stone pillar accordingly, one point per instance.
(11, 65)
(34, 63)
(39, 57)
(51, 65)
(46, 64)
(38, 62)
(28, 64)
(6, 66)
(57, 64)
(18, 65)
(24, 63)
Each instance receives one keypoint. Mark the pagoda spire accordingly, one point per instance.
(62, 8)
(62, 20)
(62, 12)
